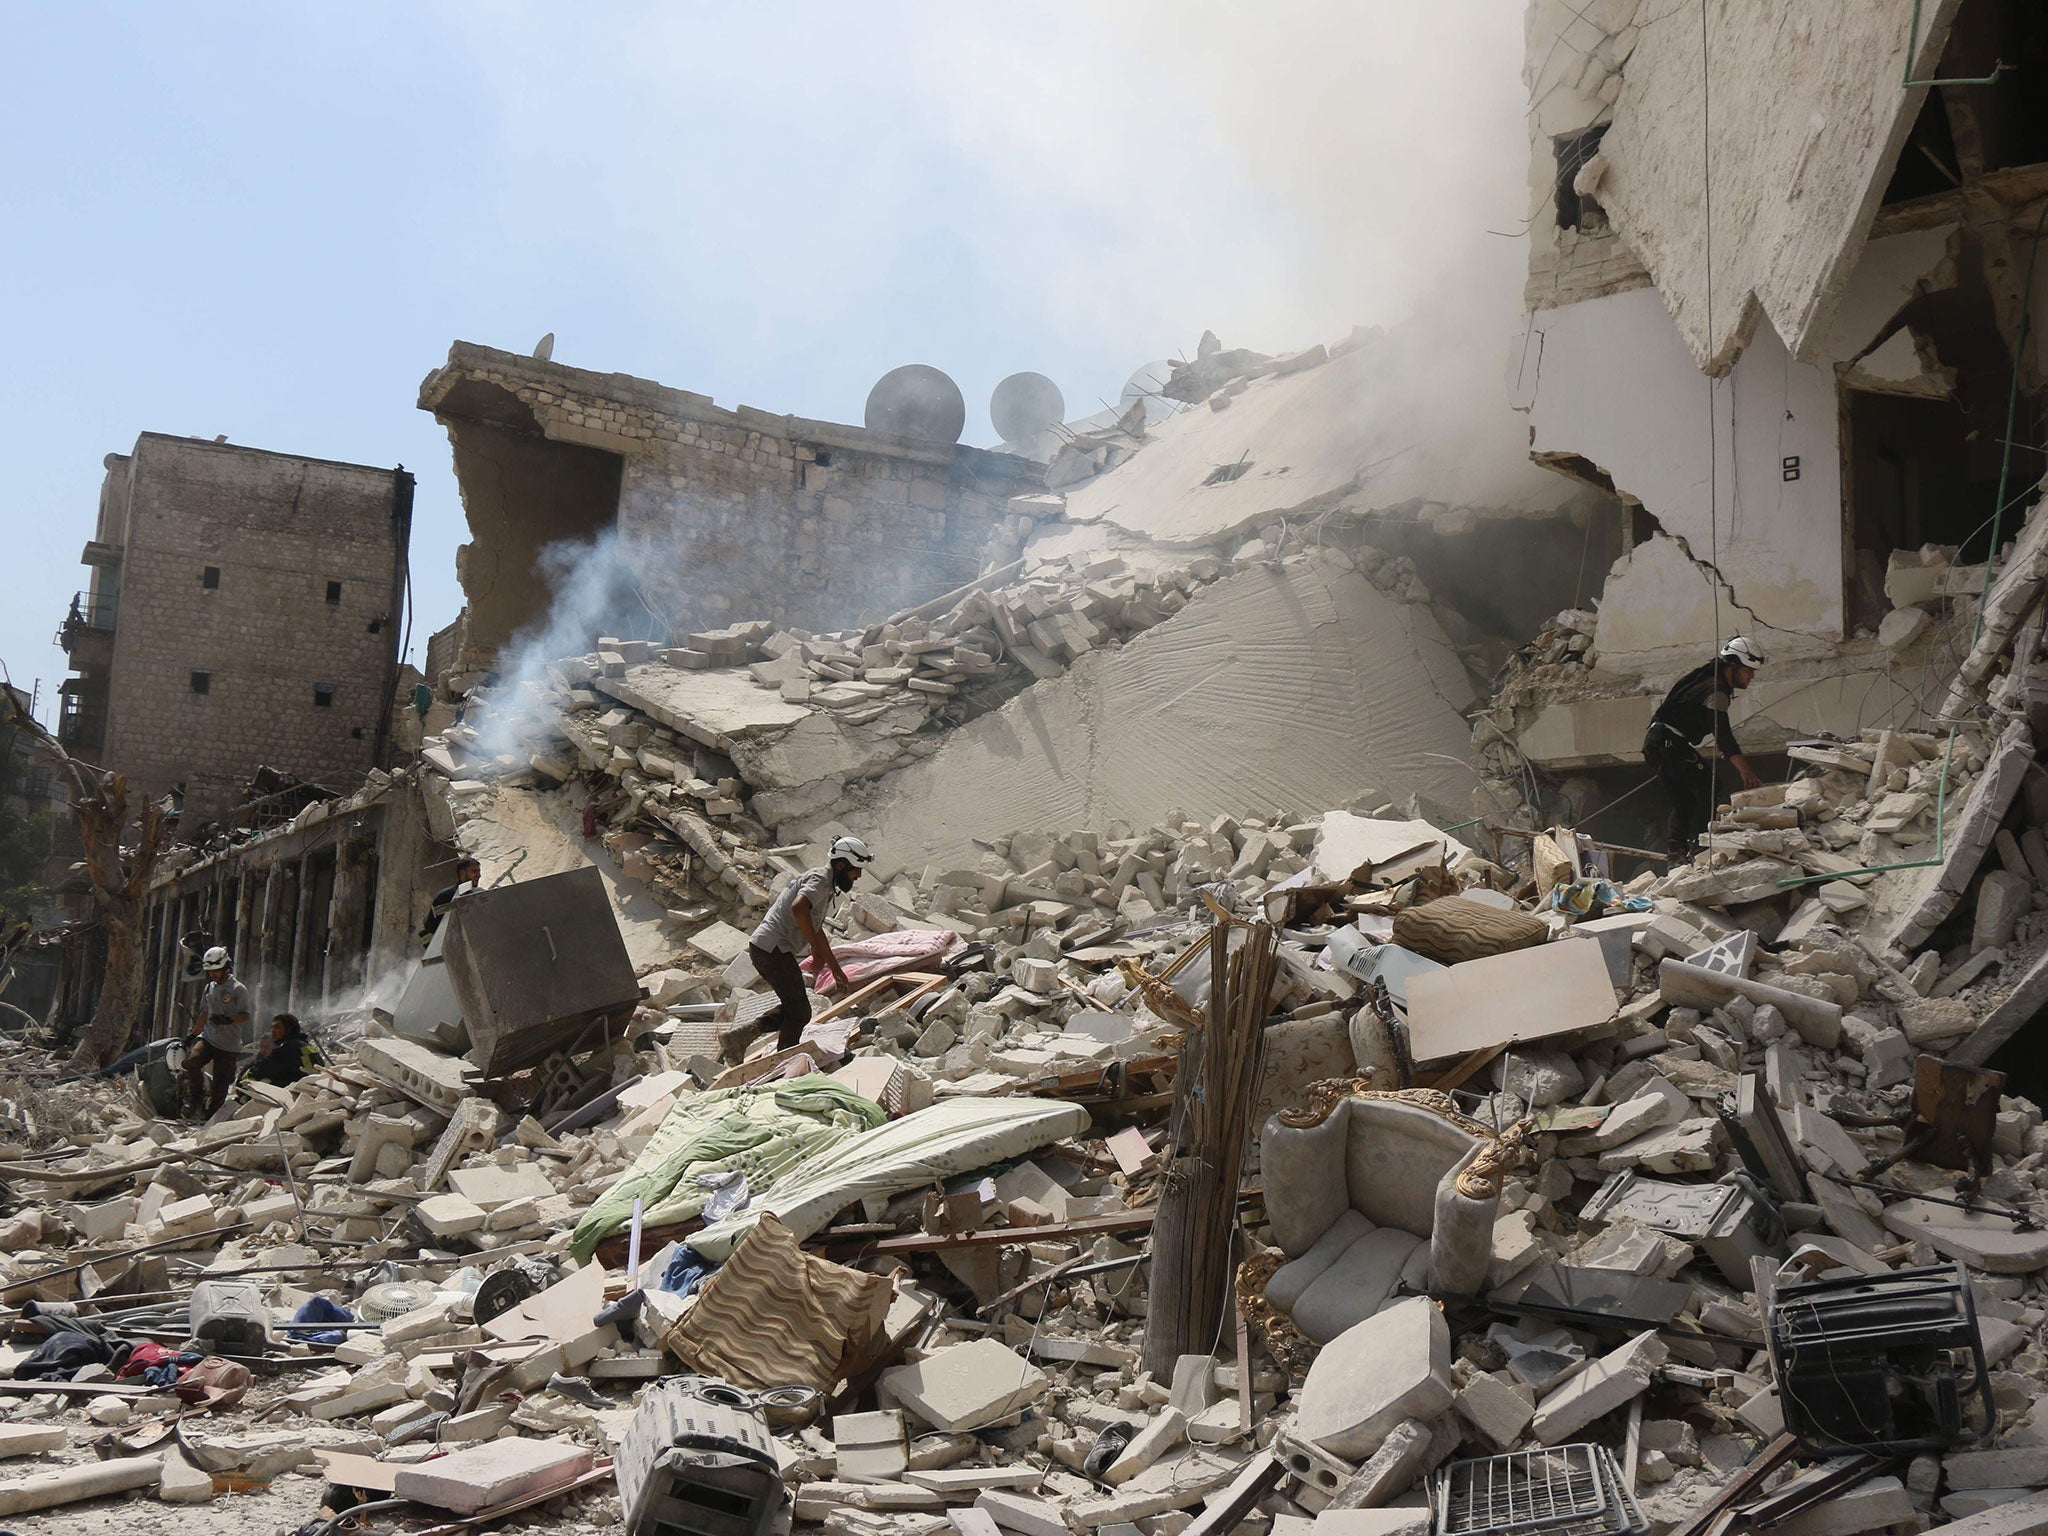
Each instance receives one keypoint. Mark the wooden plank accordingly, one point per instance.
(926, 980)
(1457, 1076)
(1086, 1226)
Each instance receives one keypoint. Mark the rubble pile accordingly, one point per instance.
(1687, 1190)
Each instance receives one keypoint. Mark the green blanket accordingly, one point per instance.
(761, 1131)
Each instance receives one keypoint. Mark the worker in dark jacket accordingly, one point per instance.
(1694, 709)
(288, 1055)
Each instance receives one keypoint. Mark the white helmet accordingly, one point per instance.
(215, 959)
(1742, 652)
(853, 850)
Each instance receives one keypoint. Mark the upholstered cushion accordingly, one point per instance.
(1357, 1285)
(1303, 1171)
(1395, 1156)
(1290, 1280)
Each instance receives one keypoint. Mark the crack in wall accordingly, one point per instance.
(1713, 573)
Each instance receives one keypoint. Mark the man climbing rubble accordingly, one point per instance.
(794, 927)
(1696, 707)
(222, 1035)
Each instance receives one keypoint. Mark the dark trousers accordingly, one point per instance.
(224, 1064)
(793, 999)
(1690, 788)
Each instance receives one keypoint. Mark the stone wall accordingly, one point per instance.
(279, 530)
(719, 514)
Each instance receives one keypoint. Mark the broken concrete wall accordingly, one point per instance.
(1607, 380)
(1807, 116)
(719, 513)
(1287, 687)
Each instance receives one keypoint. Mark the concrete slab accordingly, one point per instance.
(1609, 1383)
(1979, 1238)
(1526, 994)
(1391, 1367)
(964, 1386)
(492, 1473)
(1326, 689)
(720, 702)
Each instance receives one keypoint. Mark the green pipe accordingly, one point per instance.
(2012, 406)
(1906, 80)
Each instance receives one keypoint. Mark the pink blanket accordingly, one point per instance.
(866, 959)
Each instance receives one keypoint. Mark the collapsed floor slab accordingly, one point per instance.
(1289, 686)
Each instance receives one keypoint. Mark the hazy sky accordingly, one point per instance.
(269, 221)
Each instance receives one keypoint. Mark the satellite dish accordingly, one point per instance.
(1146, 384)
(1024, 405)
(917, 400)
(544, 349)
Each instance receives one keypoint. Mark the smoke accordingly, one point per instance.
(592, 593)
(1076, 190)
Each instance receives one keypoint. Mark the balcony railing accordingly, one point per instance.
(88, 623)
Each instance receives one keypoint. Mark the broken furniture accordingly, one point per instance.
(1725, 1221)
(1868, 1362)
(1566, 1490)
(698, 1461)
(536, 965)
(1369, 1192)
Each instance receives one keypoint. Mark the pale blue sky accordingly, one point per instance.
(270, 220)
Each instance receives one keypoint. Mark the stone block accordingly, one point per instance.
(1167, 1429)
(1021, 1513)
(1881, 1502)
(449, 1215)
(492, 1473)
(1610, 1382)
(1393, 1366)
(182, 1483)
(868, 1447)
(2019, 1467)
(2002, 899)
(1494, 1408)
(964, 1386)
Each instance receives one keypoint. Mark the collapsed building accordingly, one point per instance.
(1775, 303)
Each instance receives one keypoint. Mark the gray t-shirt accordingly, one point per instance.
(779, 930)
(218, 1006)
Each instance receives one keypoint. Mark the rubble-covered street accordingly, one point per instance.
(1340, 946)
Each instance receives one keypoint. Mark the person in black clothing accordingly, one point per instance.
(288, 1055)
(467, 873)
(1695, 708)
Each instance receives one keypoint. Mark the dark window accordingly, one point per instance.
(1573, 151)
(323, 695)
(210, 577)
(202, 682)
(824, 459)
(334, 591)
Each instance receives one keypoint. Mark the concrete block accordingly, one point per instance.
(964, 1386)
(1194, 1383)
(491, 1186)
(182, 1483)
(31, 1439)
(2002, 899)
(182, 1218)
(1390, 1471)
(421, 1074)
(2019, 1467)
(868, 1447)
(492, 1473)
(449, 1215)
(1881, 1502)
(1495, 1409)
(1609, 1383)
(1393, 1366)
(1021, 1513)
(1168, 1428)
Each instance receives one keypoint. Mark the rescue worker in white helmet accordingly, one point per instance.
(794, 927)
(219, 1034)
(1695, 708)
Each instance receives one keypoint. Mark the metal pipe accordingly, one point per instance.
(1906, 80)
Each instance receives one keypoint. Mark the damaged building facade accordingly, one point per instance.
(703, 515)
(1776, 279)
(243, 613)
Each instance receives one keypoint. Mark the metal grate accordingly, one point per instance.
(1567, 1490)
